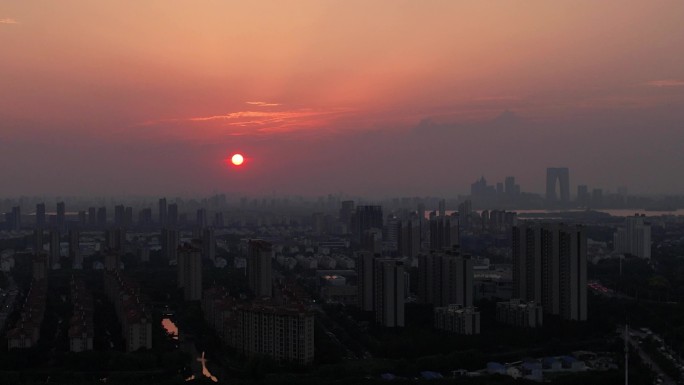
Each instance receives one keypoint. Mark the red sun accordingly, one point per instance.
(237, 159)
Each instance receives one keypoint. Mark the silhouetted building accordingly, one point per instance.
(465, 213)
(560, 176)
(364, 219)
(145, 217)
(75, 248)
(259, 259)
(365, 267)
(634, 237)
(38, 240)
(389, 292)
(201, 218)
(61, 215)
(92, 216)
(346, 213)
(209, 244)
(13, 219)
(115, 239)
(520, 313)
(170, 239)
(40, 216)
(162, 212)
(583, 197)
(55, 248)
(172, 215)
(550, 268)
(408, 238)
(457, 319)
(371, 241)
(119, 212)
(283, 333)
(102, 217)
(445, 279)
(444, 233)
(190, 272)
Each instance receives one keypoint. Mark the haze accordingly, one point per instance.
(385, 97)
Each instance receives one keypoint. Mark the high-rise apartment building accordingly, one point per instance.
(284, 333)
(209, 244)
(40, 216)
(61, 215)
(444, 234)
(365, 218)
(162, 212)
(102, 217)
(92, 216)
(259, 274)
(389, 292)
(550, 268)
(75, 249)
(170, 239)
(190, 272)
(119, 214)
(634, 237)
(445, 279)
(55, 249)
(408, 238)
(172, 215)
(365, 267)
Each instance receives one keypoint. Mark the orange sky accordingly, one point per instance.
(206, 72)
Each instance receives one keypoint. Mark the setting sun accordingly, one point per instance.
(237, 159)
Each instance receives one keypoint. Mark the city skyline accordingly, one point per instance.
(132, 98)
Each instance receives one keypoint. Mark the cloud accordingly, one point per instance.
(666, 83)
(8, 21)
(264, 104)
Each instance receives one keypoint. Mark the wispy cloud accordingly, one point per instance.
(8, 21)
(263, 104)
(257, 121)
(666, 83)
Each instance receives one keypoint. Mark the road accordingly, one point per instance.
(646, 358)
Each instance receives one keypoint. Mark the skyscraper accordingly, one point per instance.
(550, 268)
(260, 254)
(92, 216)
(55, 252)
(408, 238)
(444, 233)
(102, 217)
(172, 215)
(445, 279)
(61, 215)
(170, 240)
(365, 267)
(389, 292)
(364, 219)
(634, 237)
(201, 218)
(560, 175)
(208, 244)
(38, 241)
(190, 271)
(75, 248)
(119, 213)
(40, 215)
(162, 212)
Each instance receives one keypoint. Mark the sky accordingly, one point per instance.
(379, 98)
